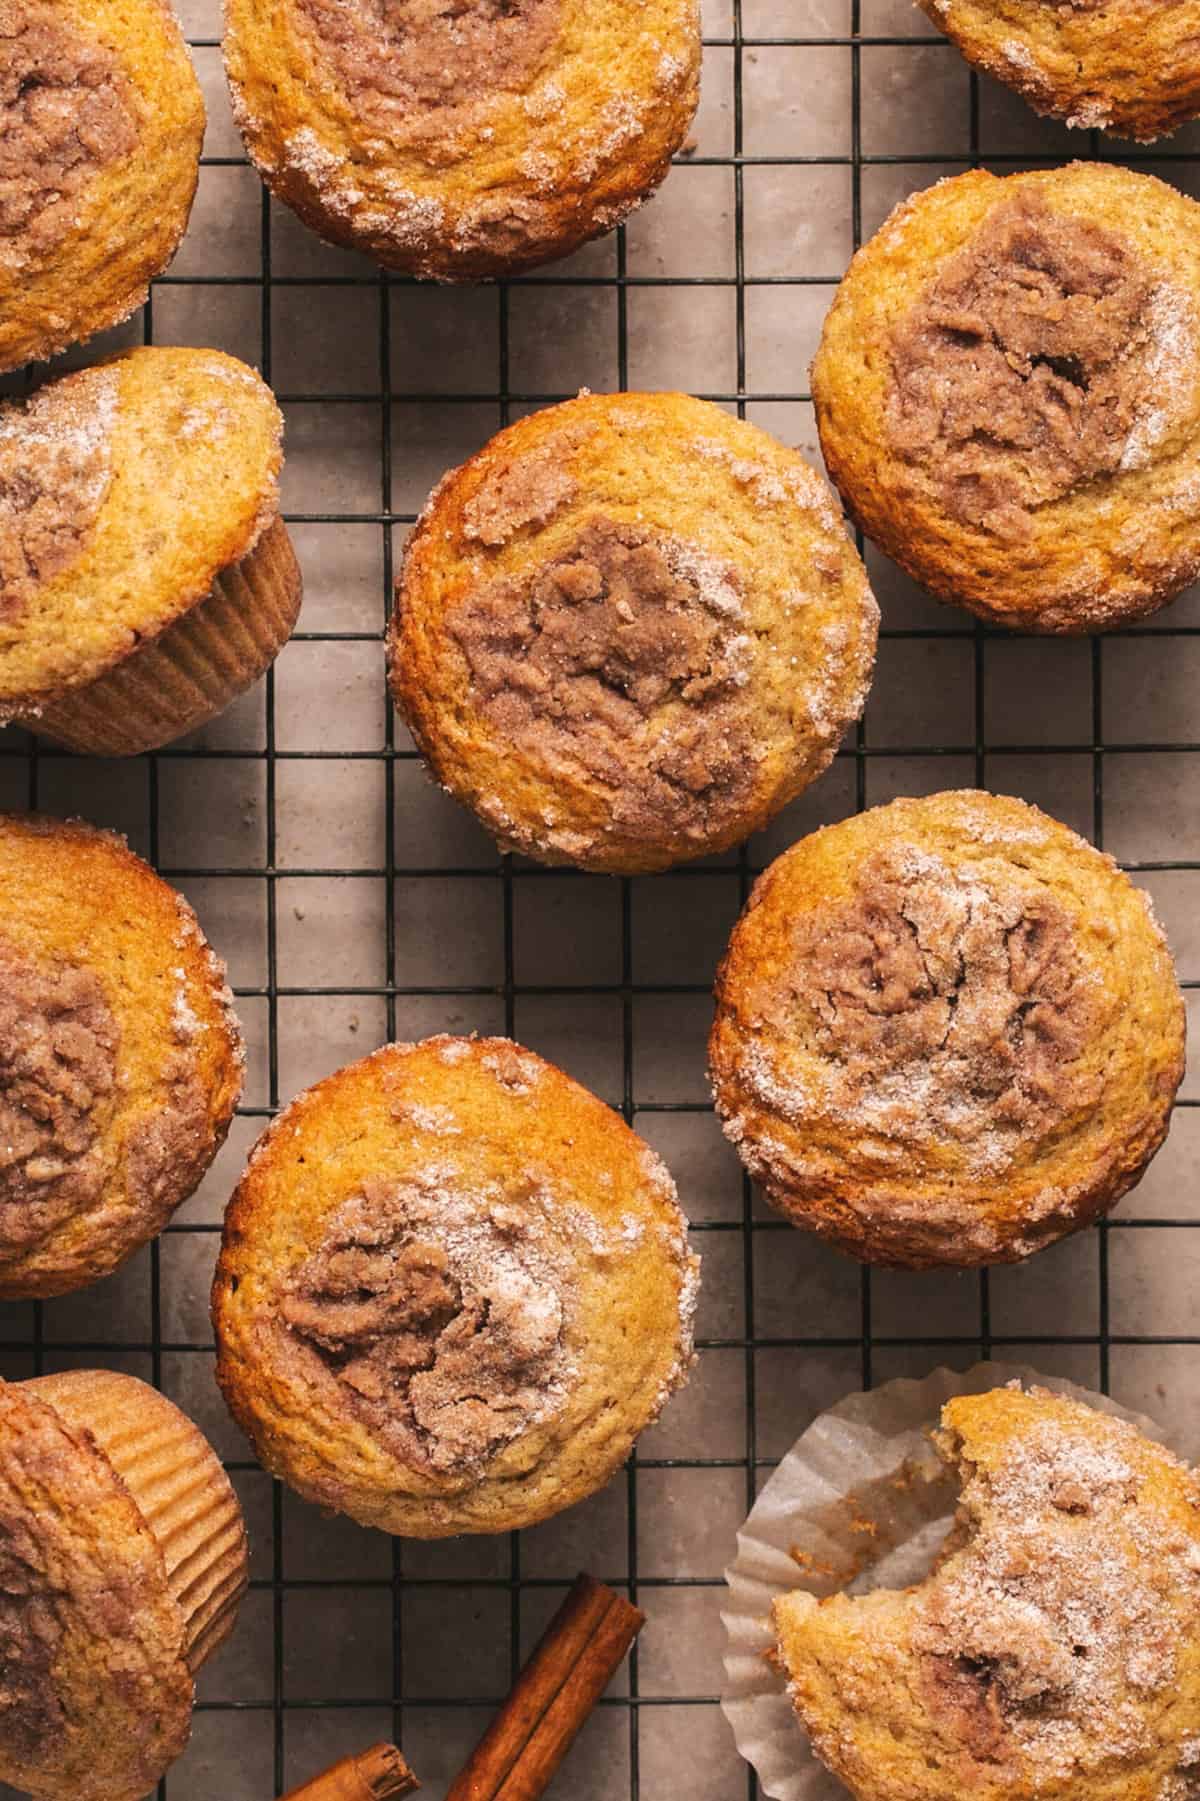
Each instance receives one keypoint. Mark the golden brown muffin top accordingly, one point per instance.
(629, 630)
(1055, 1650)
(1125, 66)
(453, 1288)
(101, 121)
(1008, 393)
(124, 490)
(96, 1688)
(463, 141)
(947, 1030)
(120, 1055)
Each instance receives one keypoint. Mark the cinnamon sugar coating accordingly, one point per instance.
(59, 1044)
(442, 1318)
(948, 1032)
(629, 630)
(1032, 366)
(469, 140)
(66, 113)
(1008, 394)
(1054, 1652)
(120, 1057)
(1130, 67)
(55, 470)
(453, 1288)
(409, 65)
(582, 662)
(101, 121)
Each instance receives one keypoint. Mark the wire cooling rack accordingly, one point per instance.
(356, 904)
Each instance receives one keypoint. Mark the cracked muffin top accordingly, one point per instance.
(1008, 394)
(120, 1057)
(948, 1031)
(101, 122)
(1131, 67)
(465, 140)
(453, 1289)
(122, 1564)
(1054, 1652)
(629, 631)
(125, 489)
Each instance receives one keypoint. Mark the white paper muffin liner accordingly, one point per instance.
(861, 1501)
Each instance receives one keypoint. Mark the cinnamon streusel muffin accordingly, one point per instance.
(146, 578)
(1054, 1653)
(1008, 394)
(1126, 66)
(467, 140)
(453, 1288)
(101, 122)
(948, 1031)
(629, 630)
(120, 1057)
(122, 1563)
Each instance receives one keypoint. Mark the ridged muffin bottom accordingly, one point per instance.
(194, 669)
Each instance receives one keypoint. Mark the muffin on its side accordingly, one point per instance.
(101, 122)
(1008, 394)
(453, 1289)
(1127, 66)
(1054, 1652)
(122, 1564)
(629, 630)
(467, 140)
(146, 578)
(120, 1056)
(948, 1031)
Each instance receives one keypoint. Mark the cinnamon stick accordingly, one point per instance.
(379, 1774)
(571, 1667)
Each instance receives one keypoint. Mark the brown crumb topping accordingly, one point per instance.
(55, 469)
(946, 1006)
(624, 663)
(30, 1635)
(442, 1316)
(402, 60)
(67, 112)
(1051, 1632)
(1046, 355)
(58, 1073)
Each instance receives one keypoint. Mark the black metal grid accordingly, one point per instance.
(866, 1340)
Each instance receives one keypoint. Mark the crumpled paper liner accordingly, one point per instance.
(861, 1501)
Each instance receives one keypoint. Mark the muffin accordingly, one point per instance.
(947, 1031)
(101, 123)
(1053, 1653)
(467, 140)
(1126, 66)
(453, 1288)
(1008, 393)
(120, 1056)
(122, 1563)
(629, 630)
(146, 579)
